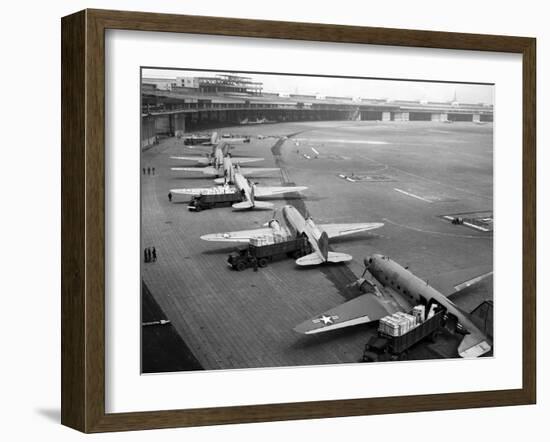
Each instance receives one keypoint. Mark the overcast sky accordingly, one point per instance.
(365, 88)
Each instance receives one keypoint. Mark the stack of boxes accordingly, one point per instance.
(278, 236)
(419, 312)
(431, 313)
(281, 234)
(261, 241)
(397, 324)
(218, 190)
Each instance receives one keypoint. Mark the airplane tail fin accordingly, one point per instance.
(338, 257)
(323, 255)
(249, 205)
(263, 205)
(323, 246)
(315, 258)
(310, 260)
(474, 345)
(220, 180)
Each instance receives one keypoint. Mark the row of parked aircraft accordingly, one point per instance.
(219, 163)
(387, 286)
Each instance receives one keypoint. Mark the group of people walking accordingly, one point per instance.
(148, 171)
(149, 254)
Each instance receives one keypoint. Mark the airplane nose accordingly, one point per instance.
(367, 261)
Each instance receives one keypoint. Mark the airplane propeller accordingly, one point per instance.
(361, 281)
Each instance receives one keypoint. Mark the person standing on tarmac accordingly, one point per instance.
(145, 255)
(148, 171)
(153, 170)
(154, 252)
(170, 196)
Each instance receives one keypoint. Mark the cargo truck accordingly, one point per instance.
(262, 254)
(210, 200)
(383, 347)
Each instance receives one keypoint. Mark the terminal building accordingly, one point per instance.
(172, 107)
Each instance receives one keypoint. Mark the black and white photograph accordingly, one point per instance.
(302, 220)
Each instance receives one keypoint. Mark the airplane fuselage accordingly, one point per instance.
(415, 290)
(242, 184)
(297, 223)
(228, 170)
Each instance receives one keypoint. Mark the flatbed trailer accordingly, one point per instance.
(209, 201)
(262, 255)
(384, 347)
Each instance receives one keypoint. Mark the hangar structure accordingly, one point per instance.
(174, 107)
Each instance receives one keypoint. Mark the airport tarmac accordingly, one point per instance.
(420, 172)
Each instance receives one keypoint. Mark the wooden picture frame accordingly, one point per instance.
(83, 220)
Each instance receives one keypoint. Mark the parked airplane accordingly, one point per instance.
(212, 140)
(249, 192)
(257, 121)
(191, 140)
(229, 171)
(393, 289)
(218, 149)
(289, 221)
(224, 167)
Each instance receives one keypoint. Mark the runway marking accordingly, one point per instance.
(412, 195)
(428, 179)
(343, 141)
(483, 229)
(432, 232)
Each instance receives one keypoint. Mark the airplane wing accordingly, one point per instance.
(211, 171)
(335, 230)
(196, 191)
(202, 147)
(258, 170)
(455, 280)
(474, 345)
(276, 190)
(198, 160)
(239, 236)
(376, 302)
(248, 204)
(244, 160)
(361, 310)
(468, 295)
